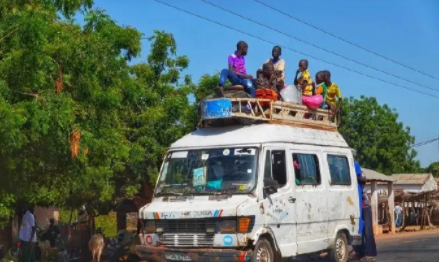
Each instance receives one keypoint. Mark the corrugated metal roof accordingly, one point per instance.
(410, 179)
(372, 175)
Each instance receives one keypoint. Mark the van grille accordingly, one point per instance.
(186, 225)
(187, 240)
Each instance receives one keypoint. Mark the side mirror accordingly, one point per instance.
(270, 186)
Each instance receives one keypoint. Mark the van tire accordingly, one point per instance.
(340, 251)
(263, 251)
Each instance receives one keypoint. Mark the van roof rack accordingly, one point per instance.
(232, 111)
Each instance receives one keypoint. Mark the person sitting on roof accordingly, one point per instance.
(333, 96)
(266, 84)
(266, 77)
(279, 67)
(321, 88)
(236, 72)
(303, 79)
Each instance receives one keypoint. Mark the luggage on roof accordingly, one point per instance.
(229, 111)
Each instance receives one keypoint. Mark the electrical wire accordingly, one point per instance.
(318, 47)
(425, 143)
(293, 50)
(343, 40)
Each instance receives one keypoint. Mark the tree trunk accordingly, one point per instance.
(427, 215)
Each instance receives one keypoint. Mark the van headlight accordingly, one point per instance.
(228, 226)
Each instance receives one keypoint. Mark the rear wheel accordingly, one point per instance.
(263, 251)
(340, 251)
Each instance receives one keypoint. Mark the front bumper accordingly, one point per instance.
(161, 254)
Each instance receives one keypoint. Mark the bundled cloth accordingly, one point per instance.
(266, 93)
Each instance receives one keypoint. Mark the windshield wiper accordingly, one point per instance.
(219, 196)
(170, 194)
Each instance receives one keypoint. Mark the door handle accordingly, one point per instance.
(292, 200)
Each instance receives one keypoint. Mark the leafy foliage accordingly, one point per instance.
(433, 168)
(382, 143)
(78, 123)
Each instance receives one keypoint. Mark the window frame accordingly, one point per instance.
(269, 152)
(331, 183)
(317, 163)
(259, 152)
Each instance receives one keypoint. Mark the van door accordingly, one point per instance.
(279, 208)
(344, 210)
(311, 199)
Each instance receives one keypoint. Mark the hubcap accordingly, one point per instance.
(263, 255)
(340, 248)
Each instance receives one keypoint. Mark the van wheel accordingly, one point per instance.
(340, 251)
(263, 252)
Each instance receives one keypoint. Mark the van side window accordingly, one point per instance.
(306, 169)
(275, 166)
(339, 170)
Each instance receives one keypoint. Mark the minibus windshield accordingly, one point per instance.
(208, 171)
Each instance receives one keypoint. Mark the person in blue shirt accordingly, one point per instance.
(359, 174)
(367, 251)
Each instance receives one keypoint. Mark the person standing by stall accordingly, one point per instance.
(27, 235)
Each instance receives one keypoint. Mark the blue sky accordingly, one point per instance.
(406, 31)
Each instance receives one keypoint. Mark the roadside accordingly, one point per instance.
(407, 234)
(421, 246)
(400, 247)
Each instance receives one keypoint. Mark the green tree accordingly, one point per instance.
(381, 141)
(433, 168)
(206, 85)
(157, 110)
(60, 92)
(78, 124)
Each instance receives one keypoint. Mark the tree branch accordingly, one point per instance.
(27, 94)
(10, 33)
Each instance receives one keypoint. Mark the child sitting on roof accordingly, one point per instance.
(321, 88)
(236, 72)
(303, 79)
(278, 67)
(266, 83)
(333, 97)
(266, 77)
